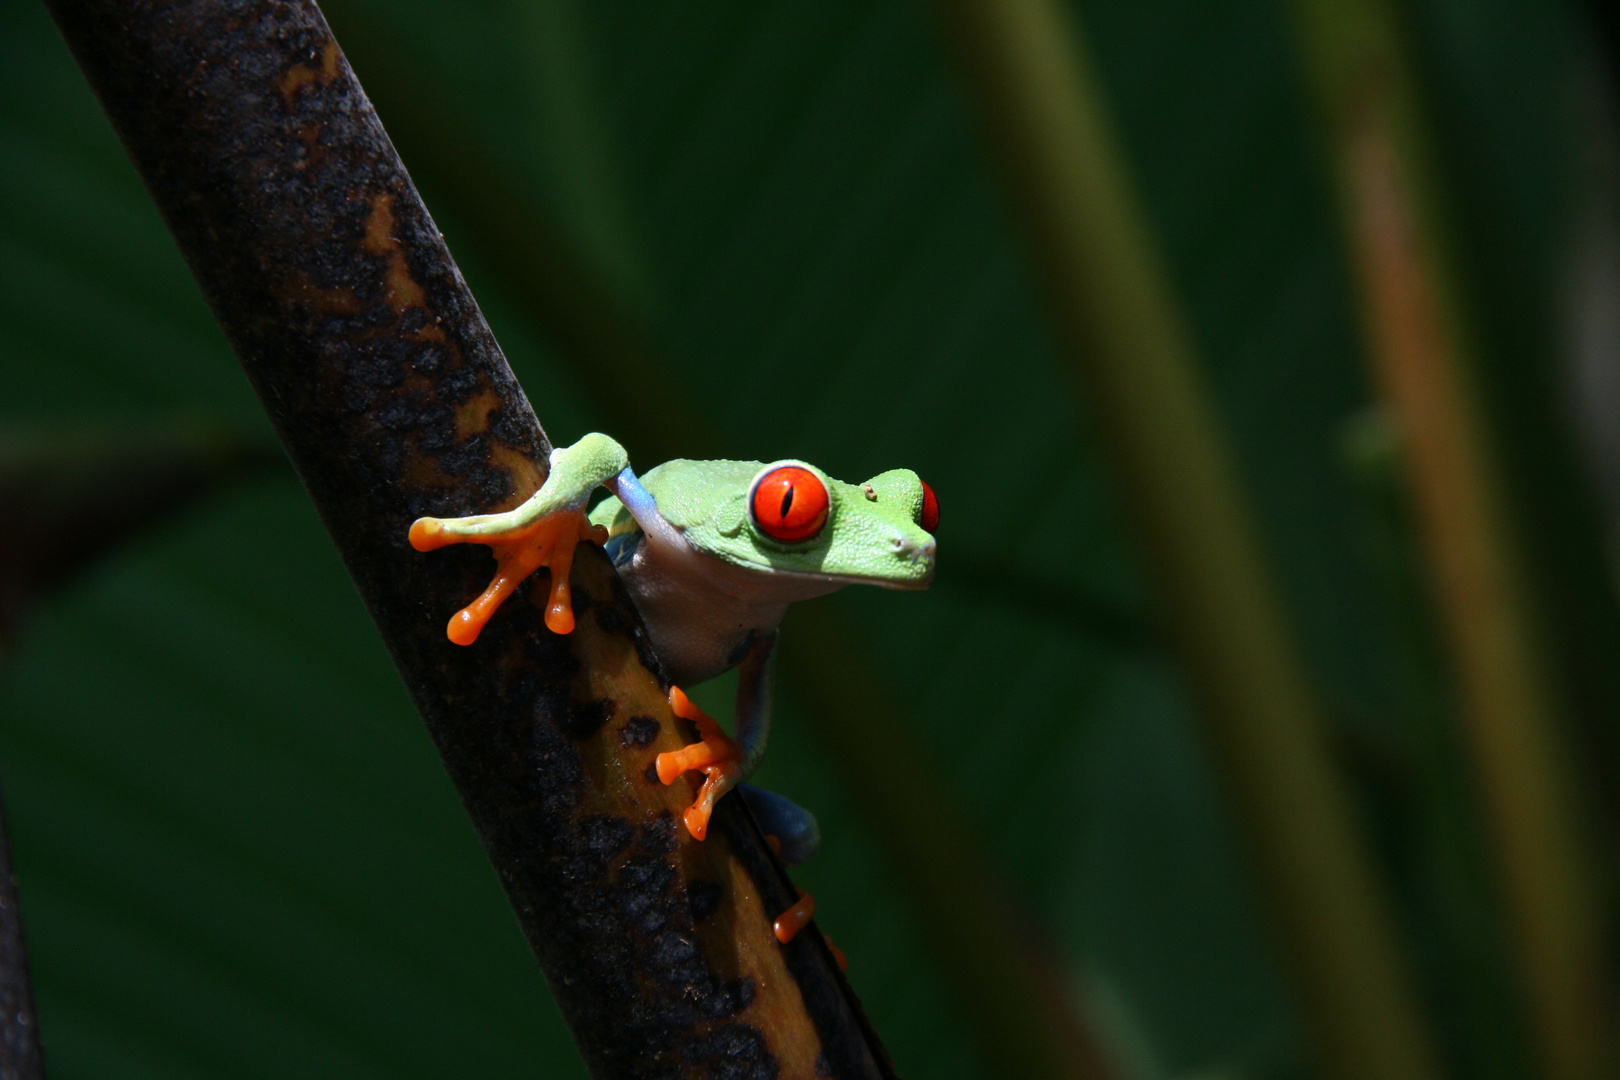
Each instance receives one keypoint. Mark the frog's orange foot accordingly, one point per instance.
(717, 756)
(796, 918)
(519, 552)
(838, 954)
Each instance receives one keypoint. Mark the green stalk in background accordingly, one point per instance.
(1419, 352)
(1136, 369)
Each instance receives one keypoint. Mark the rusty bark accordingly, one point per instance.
(341, 301)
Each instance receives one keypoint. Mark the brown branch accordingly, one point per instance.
(341, 301)
(19, 1023)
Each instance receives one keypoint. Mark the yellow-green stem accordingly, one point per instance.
(1417, 347)
(1136, 371)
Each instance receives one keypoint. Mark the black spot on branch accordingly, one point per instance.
(658, 836)
(585, 718)
(639, 731)
(703, 897)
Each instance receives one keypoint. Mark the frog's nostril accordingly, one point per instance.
(907, 549)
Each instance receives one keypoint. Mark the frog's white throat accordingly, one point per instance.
(700, 610)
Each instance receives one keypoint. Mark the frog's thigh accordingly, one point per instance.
(791, 824)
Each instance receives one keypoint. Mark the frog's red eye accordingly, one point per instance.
(929, 518)
(790, 504)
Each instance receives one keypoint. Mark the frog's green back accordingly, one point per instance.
(688, 492)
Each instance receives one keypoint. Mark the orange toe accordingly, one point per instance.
(796, 918)
(716, 755)
(425, 533)
(549, 542)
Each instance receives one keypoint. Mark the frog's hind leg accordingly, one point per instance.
(754, 680)
(724, 761)
(543, 531)
(715, 754)
(793, 826)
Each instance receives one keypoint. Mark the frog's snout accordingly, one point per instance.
(911, 551)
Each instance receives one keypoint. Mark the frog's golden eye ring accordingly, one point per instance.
(789, 503)
(928, 516)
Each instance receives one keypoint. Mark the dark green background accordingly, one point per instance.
(238, 856)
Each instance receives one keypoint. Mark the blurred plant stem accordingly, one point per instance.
(576, 139)
(73, 490)
(1444, 865)
(1418, 347)
(1136, 370)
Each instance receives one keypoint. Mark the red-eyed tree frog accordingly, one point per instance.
(712, 553)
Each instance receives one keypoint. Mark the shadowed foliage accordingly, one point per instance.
(238, 855)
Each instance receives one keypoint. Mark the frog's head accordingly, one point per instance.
(792, 518)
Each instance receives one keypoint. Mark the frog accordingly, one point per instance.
(712, 554)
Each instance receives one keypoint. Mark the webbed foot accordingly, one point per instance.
(717, 756)
(541, 532)
(520, 548)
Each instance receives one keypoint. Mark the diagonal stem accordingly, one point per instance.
(1418, 349)
(1135, 369)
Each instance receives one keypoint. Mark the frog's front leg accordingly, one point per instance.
(541, 532)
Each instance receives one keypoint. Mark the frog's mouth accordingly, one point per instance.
(901, 586)
(911, 568)
(923, 557)
(916, 585)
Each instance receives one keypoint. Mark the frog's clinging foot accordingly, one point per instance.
(717, 756)
(520, 548)
(838, 954)
(796, 918)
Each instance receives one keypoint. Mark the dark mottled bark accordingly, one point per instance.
(19, 1030)
(342, 303)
